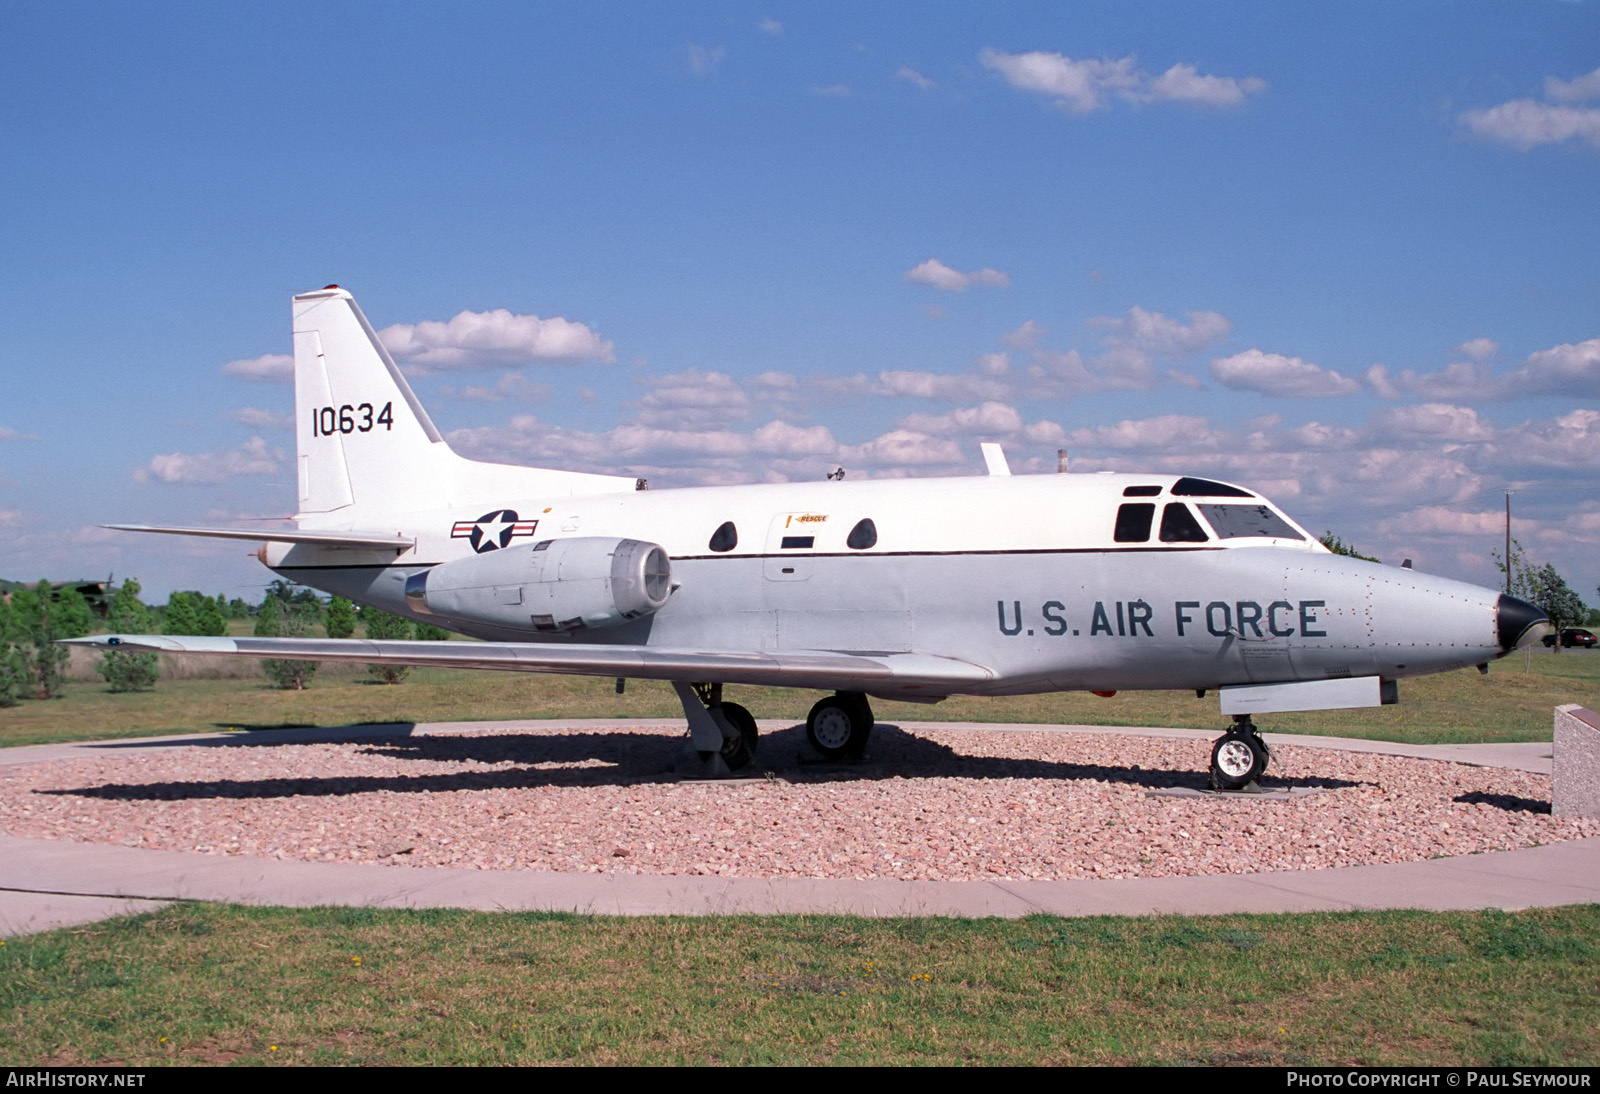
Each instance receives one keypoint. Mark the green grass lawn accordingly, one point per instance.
(197, 984)
(1512, 703)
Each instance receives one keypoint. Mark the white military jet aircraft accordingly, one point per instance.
(916, 590)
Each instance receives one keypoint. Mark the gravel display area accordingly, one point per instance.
(935, 805)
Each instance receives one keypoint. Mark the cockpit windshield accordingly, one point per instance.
(1237, 521)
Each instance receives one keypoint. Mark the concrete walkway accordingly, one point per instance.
(46, 884)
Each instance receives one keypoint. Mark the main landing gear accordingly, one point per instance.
(1239, 756)
(839, 725)
(722, 736)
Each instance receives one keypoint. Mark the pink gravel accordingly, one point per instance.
(935, 805)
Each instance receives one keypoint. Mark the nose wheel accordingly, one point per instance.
(1239, 756)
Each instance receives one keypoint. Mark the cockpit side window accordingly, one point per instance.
(1133, 522)
(1179, 526)
(1236, 521)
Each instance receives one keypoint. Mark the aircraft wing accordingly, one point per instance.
(877, 673)
(393, 540)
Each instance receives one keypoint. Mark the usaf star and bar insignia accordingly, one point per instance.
(493, 531)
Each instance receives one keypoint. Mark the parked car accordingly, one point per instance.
(1573, 636)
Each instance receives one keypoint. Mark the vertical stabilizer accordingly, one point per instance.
(367, 449)
(363, 438)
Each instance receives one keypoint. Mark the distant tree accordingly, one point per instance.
(237, 608)
(380, 625)
(1550, 591)
(426, 632)
(1517, 569)
(37, 622)
(129, 670)
(73, 615)
(208, 615)
(278, 619)
(298, 595)
(341, 618)
(1340, 547)
(179, 616)
(13, 666)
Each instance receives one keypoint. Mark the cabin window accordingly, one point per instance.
(1235, 521)
(796, 543)
(1133, 522)
(863, 535)
(725, 538)
(1205, 488)
(1179, 526)
(1141, 491)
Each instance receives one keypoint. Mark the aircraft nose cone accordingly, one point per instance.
(1519, 622)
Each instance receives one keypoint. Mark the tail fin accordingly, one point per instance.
(368, 449)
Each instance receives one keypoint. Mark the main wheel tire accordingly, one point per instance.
(1237, 760)
(834, 726)
(739, 751)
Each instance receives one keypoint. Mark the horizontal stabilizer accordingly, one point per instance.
(877, 673)
(392, 540)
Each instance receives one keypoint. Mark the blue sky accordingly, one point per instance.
(1346, 254)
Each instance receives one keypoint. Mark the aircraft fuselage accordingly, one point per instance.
(1021, 575)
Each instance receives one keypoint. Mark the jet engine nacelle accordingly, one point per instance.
(551, 586)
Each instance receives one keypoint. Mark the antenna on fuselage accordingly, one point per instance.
(994, 458)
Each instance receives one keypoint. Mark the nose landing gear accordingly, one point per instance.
(1239, 756)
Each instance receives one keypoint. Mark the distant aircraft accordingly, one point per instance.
(893, 589)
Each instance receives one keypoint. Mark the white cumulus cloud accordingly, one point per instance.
(1082, 86)
(254, 457)
(1275, 374)
(256, 418)
(990, 419)
(940, 385)
(936, 273)
(1150, 330)
(1575, 90)
(1572, 369)
(1525, 124)
(479, 339)
(1181, 83)
(693, 398)
(275, 367)
(1459, 424)
(1164, 432)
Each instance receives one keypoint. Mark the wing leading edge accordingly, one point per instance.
(875, 673)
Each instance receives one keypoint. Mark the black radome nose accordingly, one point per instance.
(1518, 622)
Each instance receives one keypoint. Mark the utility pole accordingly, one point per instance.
(1508, 542)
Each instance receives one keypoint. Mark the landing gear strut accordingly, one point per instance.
(722, 736)
(1239, 756)
(839, 725)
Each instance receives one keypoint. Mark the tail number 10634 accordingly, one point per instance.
(328, 420)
